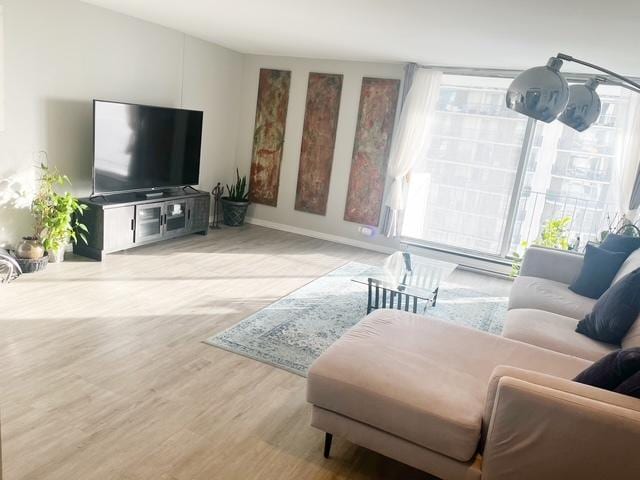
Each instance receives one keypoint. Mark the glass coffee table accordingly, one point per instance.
(403, 281)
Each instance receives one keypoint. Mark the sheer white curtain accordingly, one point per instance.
(411, 141)
(627, 180)
(1, 69)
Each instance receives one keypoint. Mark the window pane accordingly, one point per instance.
(459, 193)
(569, 174)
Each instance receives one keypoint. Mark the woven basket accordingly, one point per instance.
(29, 265)
(233, 213)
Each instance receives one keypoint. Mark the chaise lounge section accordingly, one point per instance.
(463, 404)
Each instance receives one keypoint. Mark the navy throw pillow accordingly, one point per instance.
(621, 243)
(615, 311)
(611, 370)
(598, 270)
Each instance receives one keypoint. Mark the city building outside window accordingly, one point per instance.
(491, 178)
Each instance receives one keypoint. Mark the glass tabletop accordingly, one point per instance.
(409, 274)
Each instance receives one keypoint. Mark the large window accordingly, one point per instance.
(491, 177)
(570, 174)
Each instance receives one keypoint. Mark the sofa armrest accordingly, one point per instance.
(558, 265)
(556, 428)
(550, 381)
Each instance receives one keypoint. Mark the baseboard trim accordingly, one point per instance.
(471, 264)
(319, 235)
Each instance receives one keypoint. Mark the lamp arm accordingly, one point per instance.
(615, 83)
(634, 86)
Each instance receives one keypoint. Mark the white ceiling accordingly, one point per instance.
(484, 33)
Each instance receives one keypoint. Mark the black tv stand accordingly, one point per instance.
(123, 221)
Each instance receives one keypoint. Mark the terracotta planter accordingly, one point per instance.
(31, 248)
(233, 213)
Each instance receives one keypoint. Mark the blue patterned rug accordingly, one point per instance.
(292, 332)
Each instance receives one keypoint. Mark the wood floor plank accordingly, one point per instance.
(103, 373)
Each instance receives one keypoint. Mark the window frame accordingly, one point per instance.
(525, 155)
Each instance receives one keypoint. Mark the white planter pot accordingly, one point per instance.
(57, 256)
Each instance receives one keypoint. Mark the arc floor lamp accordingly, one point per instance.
(544, 94)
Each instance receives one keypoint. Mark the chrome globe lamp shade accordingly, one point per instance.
(540, 92)
(583, 107)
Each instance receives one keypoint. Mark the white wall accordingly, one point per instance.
(284, 214)
(60, 54)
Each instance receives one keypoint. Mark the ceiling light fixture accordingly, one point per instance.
(544, 94)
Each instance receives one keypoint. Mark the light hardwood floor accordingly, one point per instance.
(103, 375)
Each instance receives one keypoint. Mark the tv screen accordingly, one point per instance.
(138, 147)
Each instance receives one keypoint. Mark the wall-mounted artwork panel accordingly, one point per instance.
(376, 118)
(318, 142)
(268, 136)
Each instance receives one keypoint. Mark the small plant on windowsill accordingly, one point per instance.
(554, 235)
(620, 225)
(235, 204)
(57, 215)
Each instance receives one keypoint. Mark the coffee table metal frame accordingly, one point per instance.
(381, 297)
(404, 282)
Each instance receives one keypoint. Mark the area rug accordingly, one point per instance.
(292, 332)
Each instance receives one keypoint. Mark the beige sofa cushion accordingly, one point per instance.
(630, 264)
(632, 338)
(550, 296)
(421, 379)
(559, 265)
(553, 331)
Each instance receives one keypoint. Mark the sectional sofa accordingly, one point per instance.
(463, 404)
(544, 312)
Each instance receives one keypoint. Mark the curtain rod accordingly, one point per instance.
(505, 73)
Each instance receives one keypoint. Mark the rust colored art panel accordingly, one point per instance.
(318, 141)
(376, 117)
(268, 136)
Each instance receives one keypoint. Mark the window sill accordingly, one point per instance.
(466, 259)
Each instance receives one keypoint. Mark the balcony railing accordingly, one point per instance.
(588, 218)
(582, 173)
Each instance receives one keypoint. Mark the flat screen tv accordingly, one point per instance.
(140, 147)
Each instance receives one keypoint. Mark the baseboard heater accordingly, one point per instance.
(500, 267)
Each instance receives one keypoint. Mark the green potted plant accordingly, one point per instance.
(234, 205)
(553, 235)
(56, 215)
